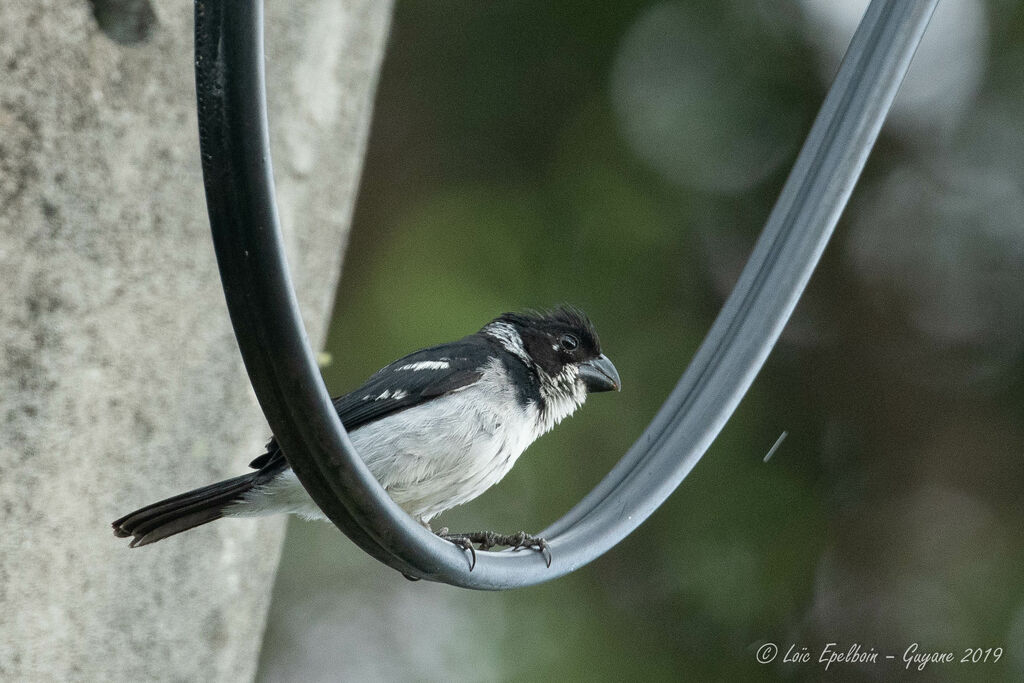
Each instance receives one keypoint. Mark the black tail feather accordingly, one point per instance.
(184, 511)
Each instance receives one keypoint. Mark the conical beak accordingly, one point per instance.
(600, 375)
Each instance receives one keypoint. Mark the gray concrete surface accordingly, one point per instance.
(120, 381)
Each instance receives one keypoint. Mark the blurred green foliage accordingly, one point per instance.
(499, 178)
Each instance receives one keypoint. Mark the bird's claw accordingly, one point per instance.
(463, 542)
(489, 539)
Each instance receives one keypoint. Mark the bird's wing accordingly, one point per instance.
(409, 381)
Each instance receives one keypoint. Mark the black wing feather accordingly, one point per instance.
(465, 359)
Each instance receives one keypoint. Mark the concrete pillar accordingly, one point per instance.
(120, 380)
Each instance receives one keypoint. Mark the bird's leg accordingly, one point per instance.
(489, 539)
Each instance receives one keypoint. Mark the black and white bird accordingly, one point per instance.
(436, 428)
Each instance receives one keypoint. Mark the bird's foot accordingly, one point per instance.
(489, 539)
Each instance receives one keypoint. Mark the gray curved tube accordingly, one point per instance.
(243, 217)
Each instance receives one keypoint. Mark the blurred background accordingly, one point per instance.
(623, 157)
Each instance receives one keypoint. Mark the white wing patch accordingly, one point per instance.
(427, 365)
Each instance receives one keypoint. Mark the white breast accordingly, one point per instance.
(430, 457)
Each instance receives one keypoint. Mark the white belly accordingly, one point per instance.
(428, 458)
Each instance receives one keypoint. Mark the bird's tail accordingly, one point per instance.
(184, 511)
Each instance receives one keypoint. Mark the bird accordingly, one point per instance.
(437, 428)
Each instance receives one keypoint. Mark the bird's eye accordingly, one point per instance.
(569, 342)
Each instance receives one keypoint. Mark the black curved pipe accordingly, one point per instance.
(235, 148)
(243, 217)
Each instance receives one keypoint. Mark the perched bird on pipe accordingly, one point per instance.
(436, 428)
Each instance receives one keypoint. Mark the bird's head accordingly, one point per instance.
(561, 345)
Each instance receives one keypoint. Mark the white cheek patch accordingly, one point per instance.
(509, 339)
(427, 365)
